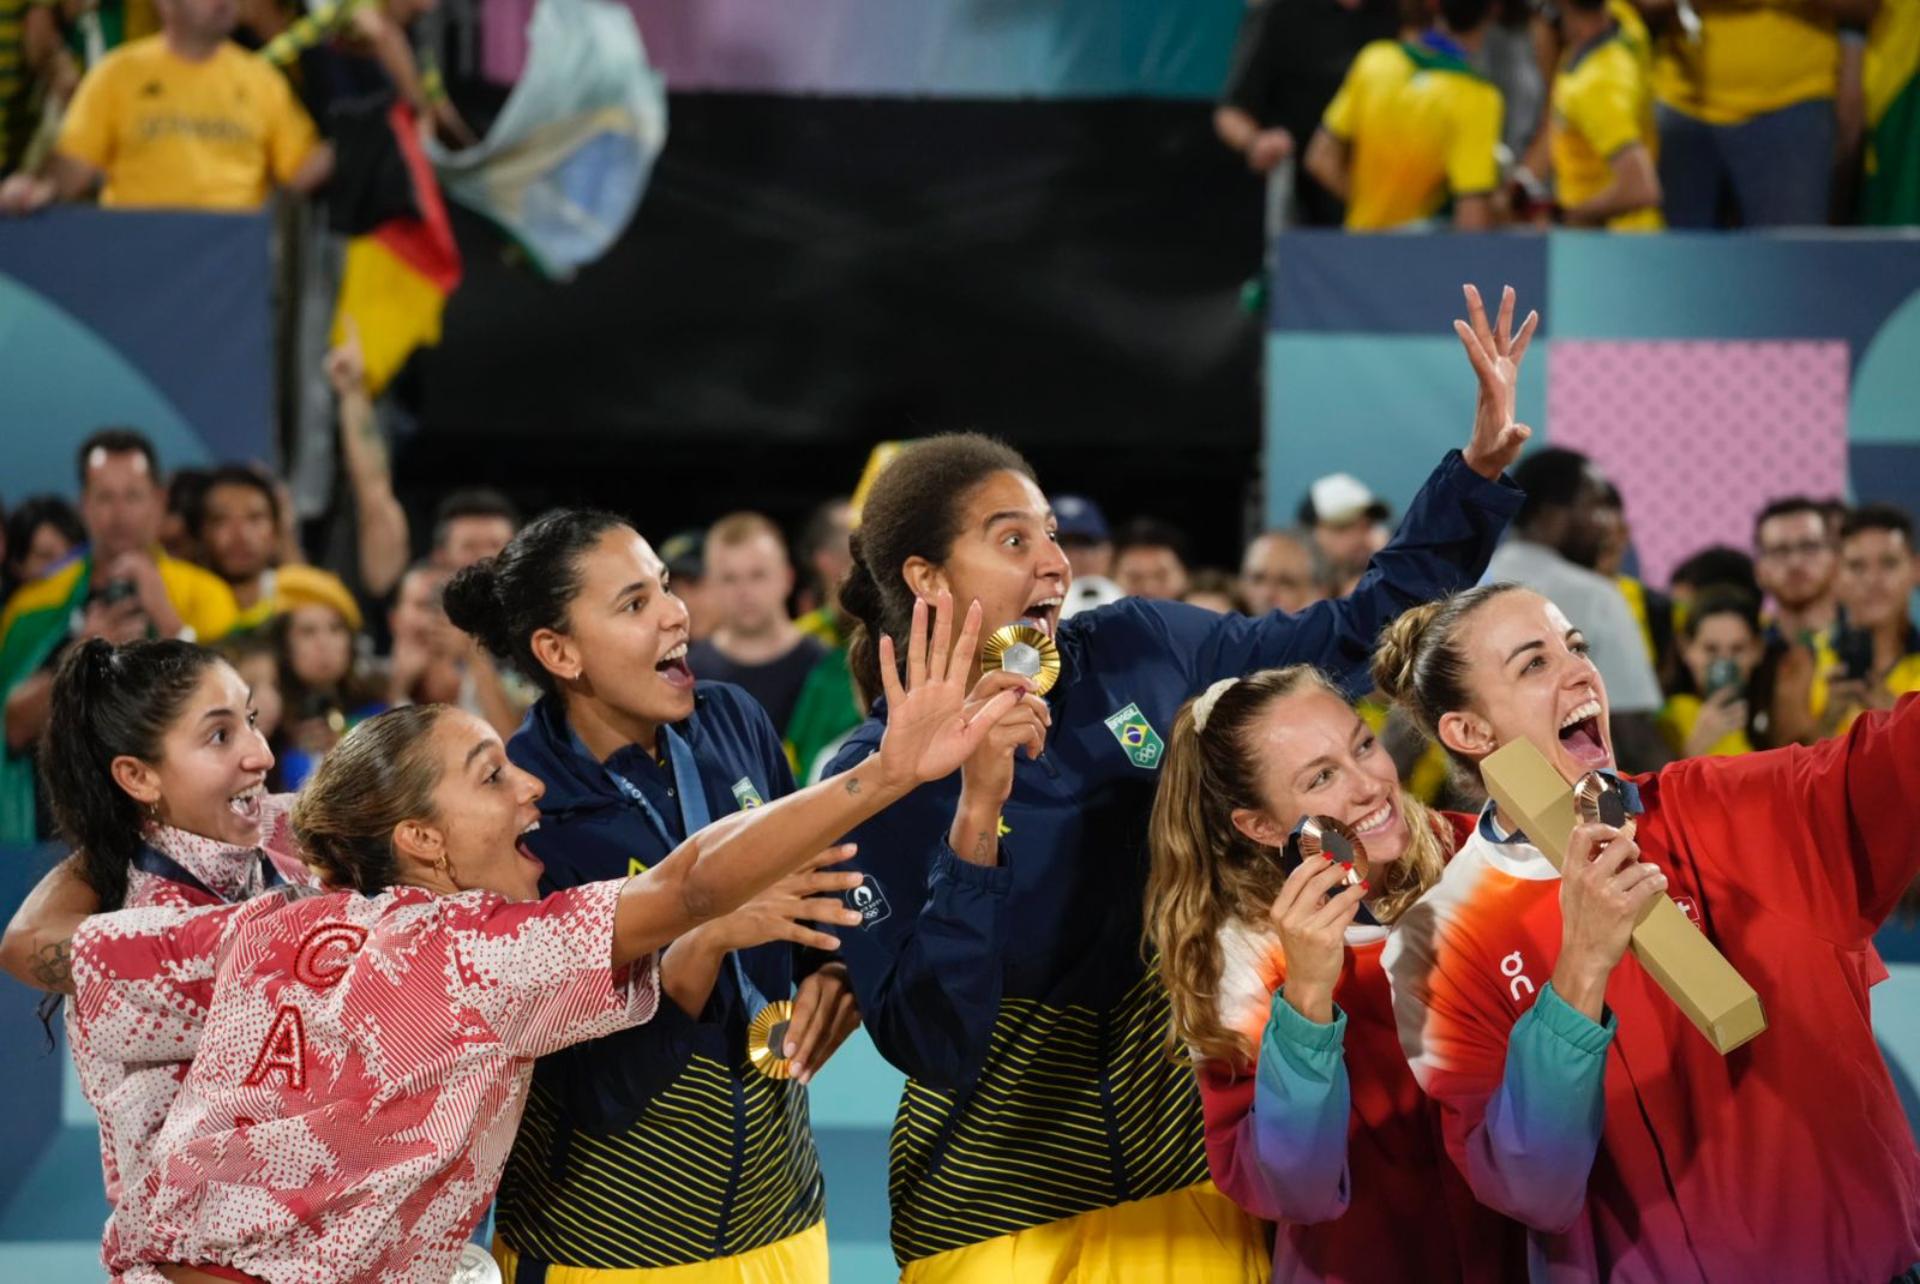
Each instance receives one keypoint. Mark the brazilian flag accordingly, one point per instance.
(37, 619)
(1890, 192)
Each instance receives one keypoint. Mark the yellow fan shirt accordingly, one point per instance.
(1420, 126)
(168, 133)
(1751, 58)
(1602, 104)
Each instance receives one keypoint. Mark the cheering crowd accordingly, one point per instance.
(519, 897)
(1629, 115)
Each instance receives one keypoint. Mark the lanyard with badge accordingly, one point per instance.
(768, 1031)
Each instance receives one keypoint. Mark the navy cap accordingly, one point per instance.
(682, 554)
(1080, 518)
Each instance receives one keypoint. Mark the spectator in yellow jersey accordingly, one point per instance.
(1603, 138)
(184, 120)
(1722, 650)
(1413, 131)
(1746, 110)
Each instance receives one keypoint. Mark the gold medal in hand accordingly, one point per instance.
(767, 1040)
(1025, 650)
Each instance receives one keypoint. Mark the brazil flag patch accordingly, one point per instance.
(1137, 736)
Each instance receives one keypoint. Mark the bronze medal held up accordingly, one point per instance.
(1325, 836)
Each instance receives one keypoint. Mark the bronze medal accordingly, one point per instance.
(1325, 836)
(1599, 800)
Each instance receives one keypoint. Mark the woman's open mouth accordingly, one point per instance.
(1581, 736)
(673, 669)
(1376, 822)
(1044, 614)
(246, 803)
(526, 852)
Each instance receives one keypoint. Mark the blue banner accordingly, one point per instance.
(156, 321)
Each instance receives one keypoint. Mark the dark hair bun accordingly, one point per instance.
(472, 602)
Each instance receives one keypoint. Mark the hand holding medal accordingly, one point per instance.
(1321, 898)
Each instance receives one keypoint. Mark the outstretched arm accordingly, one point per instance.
(382, 534)
(929, 734)
(1444, 543)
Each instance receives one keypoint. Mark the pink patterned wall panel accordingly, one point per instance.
(1698, 435)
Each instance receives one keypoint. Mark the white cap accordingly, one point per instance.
(1341, 497)
(1088, 592)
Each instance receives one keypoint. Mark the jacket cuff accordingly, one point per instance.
(1562, 1020)
(996, 878)
(1286, 1025)
(1502, 495)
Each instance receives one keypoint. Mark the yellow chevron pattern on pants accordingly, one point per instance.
(1074, 1111)
(656, 1194)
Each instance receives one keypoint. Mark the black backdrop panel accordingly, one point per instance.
(810, 275)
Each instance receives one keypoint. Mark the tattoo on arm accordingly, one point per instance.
(52, 967)
(853, 786)
(982, 847)
(373, 441)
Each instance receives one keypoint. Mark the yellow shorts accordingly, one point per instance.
(1191, 1234)
(797, 1259)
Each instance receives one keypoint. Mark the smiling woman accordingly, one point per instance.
(1000, 965)
(1313, 1120)
(383, 1037)
(157, 778)
(616, 1175)
(151, 751)
(1573, 1096)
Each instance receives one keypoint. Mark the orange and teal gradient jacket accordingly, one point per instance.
(1630, 1148)
(1327, 1135)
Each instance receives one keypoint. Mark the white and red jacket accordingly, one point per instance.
(184, 871)
(359, 1065)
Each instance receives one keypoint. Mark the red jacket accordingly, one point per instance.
(1789, 1159)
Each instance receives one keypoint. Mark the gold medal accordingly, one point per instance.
(1325, 836)
(1025, 650)
(767, 1039)
(1599, 800)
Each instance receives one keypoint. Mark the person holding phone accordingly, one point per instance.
(1873, 656)
(1721, 649)
(123, 586)
(1270, 957)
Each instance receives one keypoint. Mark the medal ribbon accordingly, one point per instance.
(684, 769)
(151, 860)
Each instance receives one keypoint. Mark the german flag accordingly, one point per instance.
(398, 275)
